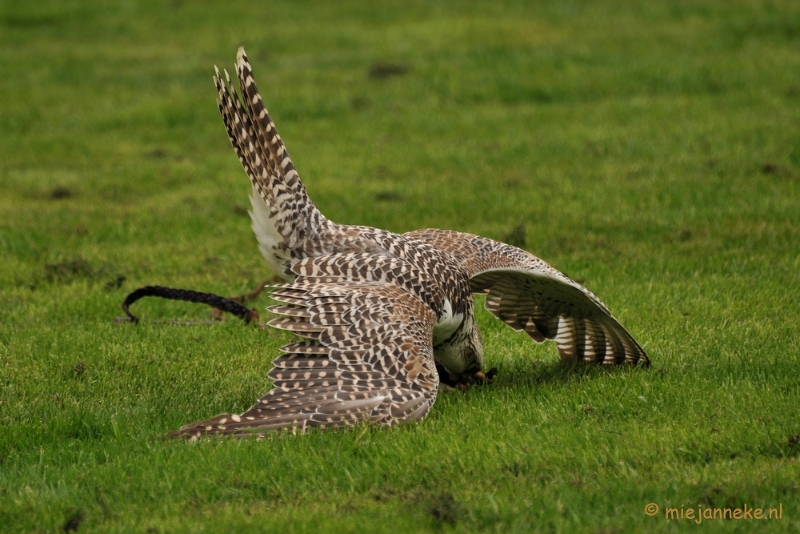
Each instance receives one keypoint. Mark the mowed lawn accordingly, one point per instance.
(650, 150)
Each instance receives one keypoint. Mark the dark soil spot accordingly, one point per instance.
(388, 196)
(771, 167)
(241, 211)
(359, 102)
(80, 369)
(61, 192)
(444, 509)
(68, 269)
(156, 153)
(387, 70)
(116, 283)
(685, 235)
(516, 469)
(794, 441)
(73, 522)
(33, 22)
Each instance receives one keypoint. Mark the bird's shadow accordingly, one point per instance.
(543, 373)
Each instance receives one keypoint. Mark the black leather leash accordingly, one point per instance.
(215, 301)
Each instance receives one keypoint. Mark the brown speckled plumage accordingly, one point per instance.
(378, 309)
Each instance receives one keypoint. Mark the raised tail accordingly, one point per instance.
(283, 216)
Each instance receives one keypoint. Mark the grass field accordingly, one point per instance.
(650, 150)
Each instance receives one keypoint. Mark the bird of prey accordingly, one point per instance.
(385, 318)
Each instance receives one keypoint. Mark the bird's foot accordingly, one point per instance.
(478, 379)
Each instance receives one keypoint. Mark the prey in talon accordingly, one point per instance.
(478, 379)
(467, 381)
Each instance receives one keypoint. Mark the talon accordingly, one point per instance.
(485, 377)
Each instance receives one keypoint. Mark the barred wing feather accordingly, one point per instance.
(367, 357)
(528, 294)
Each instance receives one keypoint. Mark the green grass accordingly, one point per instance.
(650, 150)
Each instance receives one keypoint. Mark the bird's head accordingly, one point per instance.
(460, 360)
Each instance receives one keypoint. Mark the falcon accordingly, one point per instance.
(383, 319)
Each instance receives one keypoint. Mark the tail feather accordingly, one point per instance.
(295, 208)
(268, 136)
(239, 129)
(284, 218)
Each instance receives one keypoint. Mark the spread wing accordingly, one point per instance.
(367, 356)
(527, 294)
